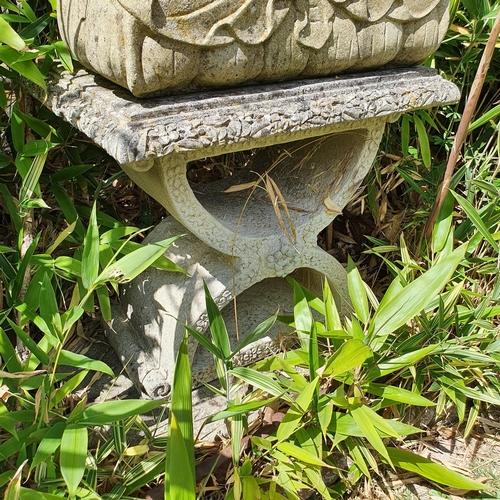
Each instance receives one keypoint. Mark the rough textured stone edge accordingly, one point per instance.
(206, 123)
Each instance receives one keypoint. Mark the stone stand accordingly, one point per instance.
(316, 141)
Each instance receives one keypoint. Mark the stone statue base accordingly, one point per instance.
(317, 140)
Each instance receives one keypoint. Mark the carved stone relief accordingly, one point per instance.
(162, 46)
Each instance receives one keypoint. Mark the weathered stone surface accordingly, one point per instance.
(211, 123)
(161, 46)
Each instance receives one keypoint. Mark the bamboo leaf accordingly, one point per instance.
(301, 406)
(29, 343)
(240, 409)
(357, 292)
(369, 431)
(352, 354)
(201, 339)
(181, 406)
(432, 471)
(261, 381)
(256, 334)
(217, 325)
(9, 36)
(125, 248)
(412, 299)
(474, 216)
(112, 411)
(397, 394)
(423, 139)
(300, 454)
(90, 257)
(442, 227)
(178, 476)
(130, 266)
(68, 358)
(49, 444)
(73, 454)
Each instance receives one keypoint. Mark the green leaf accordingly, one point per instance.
(112, 411)
(352, 354)
(181, 407)
(73, 455)
(369, 431)
(240, 409)
(29, 343)
(36, 148)
(116, 235)
(201, 339)
(423, 139)
(68, 358)
(474, 216)
(90, 257)
(302, 316)
(9, 36)
(178, 475)
(13, 489)
(412, 299)
(405, 135)
(300, 454)
(300, 407)
(357, 292)
(29, 70)
(67, 388)
(31, 494)
(442, 228)
(104, 303)
(261, 381)
(49, 444)
(400, 363)
(130, 266)
(9, 356)
(125, 248)
(491, 114)
(256, 334)
(217, 325)
(64, 54)
(432, 471)
(397, 394)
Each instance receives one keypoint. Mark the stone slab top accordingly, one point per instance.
(204, 124)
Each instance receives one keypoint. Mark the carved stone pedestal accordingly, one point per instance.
(316, 141)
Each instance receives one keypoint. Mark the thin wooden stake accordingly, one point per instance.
(463, 127)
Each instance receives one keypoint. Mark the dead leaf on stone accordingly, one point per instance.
(331, 207)
(241, 187)
(4, 392)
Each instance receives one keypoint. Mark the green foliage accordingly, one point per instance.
(360, 390)
(348, 391)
